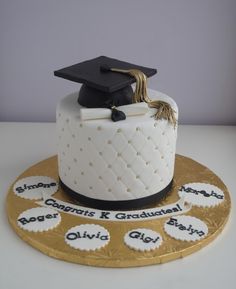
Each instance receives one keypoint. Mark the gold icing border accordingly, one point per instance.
(116, 253)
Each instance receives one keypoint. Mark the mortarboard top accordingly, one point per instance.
(107, 83)
(90, 74)
(101, 86)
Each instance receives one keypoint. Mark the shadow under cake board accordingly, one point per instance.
(116, 253)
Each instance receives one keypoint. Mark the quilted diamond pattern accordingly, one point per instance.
(115, 161)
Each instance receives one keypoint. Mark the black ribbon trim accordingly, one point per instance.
(116, 205)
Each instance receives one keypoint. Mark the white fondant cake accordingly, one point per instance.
(115, 161)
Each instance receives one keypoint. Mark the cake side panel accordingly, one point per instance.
(114, 161)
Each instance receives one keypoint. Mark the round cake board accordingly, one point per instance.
(116, 253)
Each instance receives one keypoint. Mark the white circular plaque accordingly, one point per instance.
(39, 219)
(32, 188)
(201, 194)
(87, 237)
(142, 239)
(186, 228)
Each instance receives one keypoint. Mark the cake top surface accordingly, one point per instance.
(93, 74)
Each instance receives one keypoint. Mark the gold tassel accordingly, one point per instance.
(164, 109)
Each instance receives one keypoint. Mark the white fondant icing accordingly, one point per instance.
(186, 228)
(32, 188)
(125, 160)
(142, 239)
(39, 219)
(87, 237)
(201, 194)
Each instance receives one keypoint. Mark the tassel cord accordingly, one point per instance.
(164, 109)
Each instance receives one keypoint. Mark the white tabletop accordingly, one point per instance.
(21, 266)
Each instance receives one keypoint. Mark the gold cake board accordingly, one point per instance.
(116, 253)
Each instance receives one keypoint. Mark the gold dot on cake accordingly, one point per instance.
(128, 166)
(138, 153)
(128, 190)
(100, 153)
(82, 173)
(119, 130)
(146, 188)
(99, 128)
(89, 138)
(118, 178)
(90, 188)
(109, 166)
(81, 125)
(162, 157)
(100, 178)
(137, 128)
(119, 154)
(91, 164)
(148, 137)
(75, 160)
(163, 133)
(109, 190)
(156, 148)
(69, 168)
(68, 145)
(129, 141)
(137, 177)
(67, 120)
(147, 163)
(155, 172)
(73, 135)
(81, 149)
(109, 141)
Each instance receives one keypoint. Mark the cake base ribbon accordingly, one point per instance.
(172, 209)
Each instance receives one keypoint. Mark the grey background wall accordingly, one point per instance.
(191, 43)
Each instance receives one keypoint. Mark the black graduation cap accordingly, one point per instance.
(103, 87)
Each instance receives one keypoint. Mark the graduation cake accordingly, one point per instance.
(116, 157)
(116, 144)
